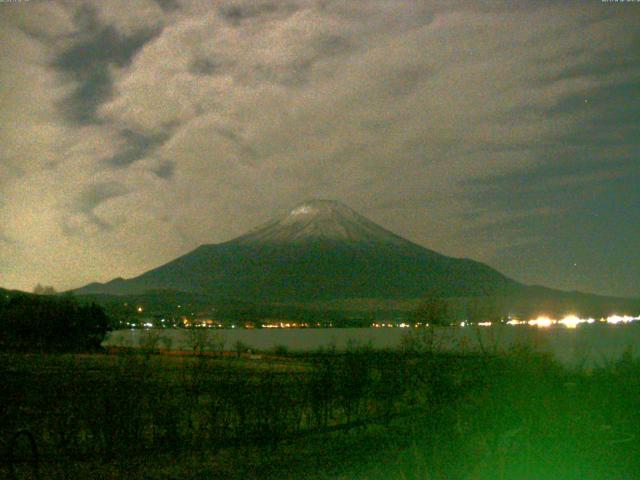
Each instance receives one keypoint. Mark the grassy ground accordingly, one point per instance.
(413, 416)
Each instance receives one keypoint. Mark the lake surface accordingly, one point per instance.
(589, 345)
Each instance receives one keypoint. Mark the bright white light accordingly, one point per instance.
(484, 324)
(614, 319)
(571, 321)
(542, 322)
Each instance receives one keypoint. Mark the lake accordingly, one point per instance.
(589, 345)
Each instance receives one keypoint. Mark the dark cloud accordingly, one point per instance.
(237, 12)
(332, 45)
(168, 5)
(408, 80)
(165, 170)
(93, 196)
(86, 62)
(204, 66)
(136, 146)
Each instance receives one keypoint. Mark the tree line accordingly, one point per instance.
(50, 323)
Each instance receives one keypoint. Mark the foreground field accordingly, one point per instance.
(361, 414)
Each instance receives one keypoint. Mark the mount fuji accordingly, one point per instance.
(320, 250)
(324, 253)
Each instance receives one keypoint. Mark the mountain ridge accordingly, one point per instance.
(323, 251)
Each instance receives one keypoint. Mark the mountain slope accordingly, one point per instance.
(320, 250)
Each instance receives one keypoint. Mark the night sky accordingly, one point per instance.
(133, 131)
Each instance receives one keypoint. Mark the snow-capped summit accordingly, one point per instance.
(320, 220)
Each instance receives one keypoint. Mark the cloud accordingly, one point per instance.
(135, 147)
(168, 5)
(88, 60)
(92, 197)
(149, 128)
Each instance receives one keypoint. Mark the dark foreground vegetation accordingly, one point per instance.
(39, 323)
(411, 414)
